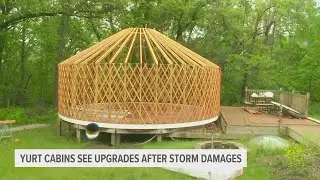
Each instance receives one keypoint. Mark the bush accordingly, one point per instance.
(296, 158)
(27, 115)
(314, 110)
(17, 114)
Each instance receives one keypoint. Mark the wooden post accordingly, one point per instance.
(118, 136)
(78, 133)
(171, 89)
(115, 139)
(59, 126)
(140, 77)
(281, 102)
(157, 94)
(159, 137)
(282, 129)
(96, 91)
(125, 106)
(109, 90)
(307, 104)
(140, 88)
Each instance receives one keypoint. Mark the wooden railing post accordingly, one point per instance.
(281, 102)
(307, 104)
(291, 100)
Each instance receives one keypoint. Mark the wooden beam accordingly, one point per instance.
(121, 47)
(140, 32)
(168, 49)
(160, 49)
(150, 47)
(130, 49)
(7, 121)
(171, 43)
(87, 52)
(113, 47)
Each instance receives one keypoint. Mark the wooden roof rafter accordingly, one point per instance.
(150, 47)
(169, 51)
(127, 42)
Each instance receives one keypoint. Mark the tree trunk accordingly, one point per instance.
(62, 33)
(62, 43)
(95, 30)
(2, 91)
(2, 42)
(41, 71)
(180, 29)
(111, 23)
(22, 66)
(244, 81)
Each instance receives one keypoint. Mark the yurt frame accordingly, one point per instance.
(138, 79)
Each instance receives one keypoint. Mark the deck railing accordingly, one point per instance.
(294, 100)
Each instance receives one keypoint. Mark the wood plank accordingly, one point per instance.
(158, 46)
(286, 107)
(314, 120)
(130, 49)
(27, 127)
(7, 121)
(121, 47)
(264, 104)
(112, 47)
(305, 134)
(150, 47)
(252, 111)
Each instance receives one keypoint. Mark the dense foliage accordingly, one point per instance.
(265, 44)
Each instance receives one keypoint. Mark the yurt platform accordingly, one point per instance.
(233, 123)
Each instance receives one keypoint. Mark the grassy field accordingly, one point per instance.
(46, 138)
(262, 164)
(296, 162)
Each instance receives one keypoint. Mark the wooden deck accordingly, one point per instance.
(236, 122)
(237, 116)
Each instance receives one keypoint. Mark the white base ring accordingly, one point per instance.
(140, 126)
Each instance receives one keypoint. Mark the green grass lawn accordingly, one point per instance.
(46, 138)
(262, 164)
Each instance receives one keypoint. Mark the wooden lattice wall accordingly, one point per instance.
(138, 76)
